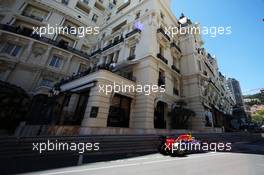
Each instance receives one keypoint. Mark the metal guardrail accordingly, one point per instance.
(16, 155)
(109, 144)
(21, 147)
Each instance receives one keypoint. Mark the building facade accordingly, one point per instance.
(132, 48)
(234, 86)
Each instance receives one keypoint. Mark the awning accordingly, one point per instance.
(81, 87)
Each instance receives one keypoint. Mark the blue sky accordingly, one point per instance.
(240, 54)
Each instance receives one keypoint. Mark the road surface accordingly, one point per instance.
(156, 164)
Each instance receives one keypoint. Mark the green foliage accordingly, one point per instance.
(258, 117)
(255, 96)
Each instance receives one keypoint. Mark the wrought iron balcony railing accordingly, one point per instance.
(161, 57)
(160, 30)
(131, 57)
(113, 44)
(175, 46)
(133, 32)
(175, 68)
(95, 69)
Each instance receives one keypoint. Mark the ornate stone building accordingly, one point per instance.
(132, 48)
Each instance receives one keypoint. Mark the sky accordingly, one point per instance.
(240, 54)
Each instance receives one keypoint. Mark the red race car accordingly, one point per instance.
(177, 146)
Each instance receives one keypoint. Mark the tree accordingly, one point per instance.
(180, 115)
(258, 118)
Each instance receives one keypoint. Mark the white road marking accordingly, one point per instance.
(88, 169)
(131, 164)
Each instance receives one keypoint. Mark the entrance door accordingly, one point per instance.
(119, 112)
(159, 117)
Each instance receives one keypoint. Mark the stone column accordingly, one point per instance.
(100, 100)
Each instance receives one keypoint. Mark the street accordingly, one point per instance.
(203, 163)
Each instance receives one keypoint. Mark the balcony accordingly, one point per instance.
(174, 46)
(98, 51)
(133, 32)
(161, 31)
(175, 69)
(19, 31)
(162, 58)
(106, 67)
(131, 57)
(113, 44)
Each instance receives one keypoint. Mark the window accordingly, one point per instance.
(86, 1)
(161, 15)
(94, 112)
(119, 26)
(66, 100)
(161, 80)
(65, 2)
(55, 62)
(110, 6)
(161, 50)
(35, 13)
(103, 35)
(123, 6)
(82, 68)
(110, 58)
(83, 8)
(137, 15)
(175, 87)
(174, 61)
(95, 17)
(46, 82)
(199, 65)
(85, 48)
(116, 56)
(116, 39)
(11, 49)
(132, 50)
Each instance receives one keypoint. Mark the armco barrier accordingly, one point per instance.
(16, 154)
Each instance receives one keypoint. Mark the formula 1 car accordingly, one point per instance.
(177, 146)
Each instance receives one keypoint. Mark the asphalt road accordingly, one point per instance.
(229, 163)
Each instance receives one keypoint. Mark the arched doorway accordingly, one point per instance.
(159, 115)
